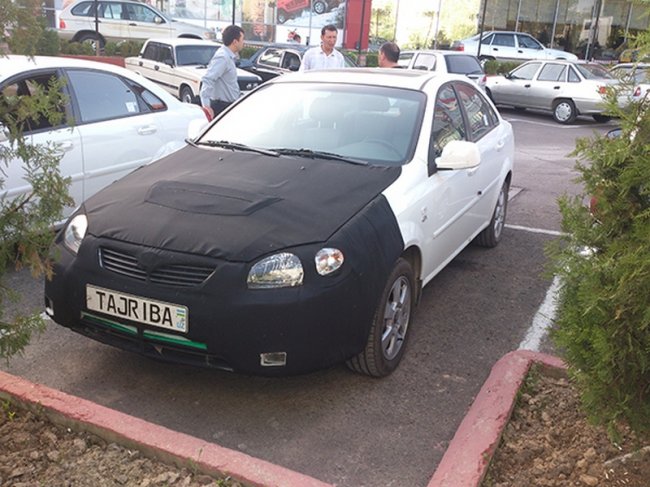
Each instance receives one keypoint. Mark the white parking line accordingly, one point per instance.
(543, 319)
(543, 124)
(555, 233)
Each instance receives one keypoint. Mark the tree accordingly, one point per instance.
(26, 220)
(603, 323)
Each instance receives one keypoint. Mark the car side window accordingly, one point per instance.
(166, 55)
(448, 121)
(102, 96)
(113, 10)
(271, 57)
(488, 39)
(480, 115)
(426, 62)
(528, 42)
(290, 61)
(527, 71)
(573, 76)
(506, 40)
(140, 13)
(83, 9)
(28, 86)
(552, 72)
(151, 51)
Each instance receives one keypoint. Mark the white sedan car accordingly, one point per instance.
(445, 62)
(297, 231)
(565, 88)
(115, 120)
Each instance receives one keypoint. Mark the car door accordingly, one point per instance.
(448, 195)
(113, 25)
(502, 47)
(513, 88)
(529, 48)
(549, 84)
(145, 22)
(65, 137)
(491, 136)
(118, 123)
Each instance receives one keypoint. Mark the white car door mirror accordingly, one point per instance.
(459, 154)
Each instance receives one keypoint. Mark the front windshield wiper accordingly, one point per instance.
(225, 144)
(314, 154)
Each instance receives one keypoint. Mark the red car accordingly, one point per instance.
(288, 9)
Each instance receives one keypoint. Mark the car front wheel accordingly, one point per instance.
(564, 111)
(491, 235)
(186, 95)
(389, 331)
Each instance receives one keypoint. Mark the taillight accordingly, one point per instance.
(637, 91)
(484, 79)
(62, 24)
(602, 90)
(206, 113)
(460, 47)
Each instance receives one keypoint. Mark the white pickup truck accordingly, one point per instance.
(178, 65)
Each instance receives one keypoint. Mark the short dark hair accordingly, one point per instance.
(330, 27)
(391, 51)
(230, 34)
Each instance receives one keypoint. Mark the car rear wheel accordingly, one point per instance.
(320, 7)
(600, 118)
(186, 95)
(390, 325)
(564, 111)
(92, 39)
(491, 235)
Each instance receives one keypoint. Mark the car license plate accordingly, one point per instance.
(147, 311)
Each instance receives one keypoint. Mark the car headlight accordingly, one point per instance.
(75, 231)
(328, 260)
(275, 271)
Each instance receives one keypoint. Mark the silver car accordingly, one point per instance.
(566, 88)
(445, 62)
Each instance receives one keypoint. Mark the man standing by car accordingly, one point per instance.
(219, 87)
(324, 56)
(388, 55)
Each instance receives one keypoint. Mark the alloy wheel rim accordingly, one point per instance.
(397, 315)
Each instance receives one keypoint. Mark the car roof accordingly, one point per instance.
(393, 78)
(14, 64)
(183, 41)
(436, 51)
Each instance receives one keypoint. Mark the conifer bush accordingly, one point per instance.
(603, 320)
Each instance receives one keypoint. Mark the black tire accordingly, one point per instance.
(564, 111)
(390, 325)
(489, 94)
(186, 95)
(282, 16)
(320, 7)
(491, 235)
(91, 38)
(600, 118)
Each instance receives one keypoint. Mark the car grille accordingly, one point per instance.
(180, 275)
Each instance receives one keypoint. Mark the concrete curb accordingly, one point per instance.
(468, 456)
(153, 440)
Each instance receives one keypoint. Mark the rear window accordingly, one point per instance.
(463, 65)
(83, 9)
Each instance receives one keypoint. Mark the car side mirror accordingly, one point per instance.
(158, 19)
(294, 67)
(458, 154)
(169, 62)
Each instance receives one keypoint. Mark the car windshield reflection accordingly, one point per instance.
(367, 123)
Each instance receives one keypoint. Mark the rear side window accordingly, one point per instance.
(105, 96)
(552, 72)
(83, 9)
(271, 57)
(526, 71)
(506, 40)
(425, 62)
(459, 64)
(447, 121)
(480, 114)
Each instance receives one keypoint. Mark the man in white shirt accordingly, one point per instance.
(325, 56)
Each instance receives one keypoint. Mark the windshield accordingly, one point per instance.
(378, 125)
(188, 55)
(593, 71)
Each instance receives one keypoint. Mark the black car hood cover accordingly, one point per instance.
(235, 206)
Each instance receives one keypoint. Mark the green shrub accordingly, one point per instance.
(493, 67)
(77, 48)
(248, 51)
(603, 323)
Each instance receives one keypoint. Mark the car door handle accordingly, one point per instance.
(140, 63)
(66, 146)
(520, 51)
(156, 68)
(501, 144)
(527, 86)
(133, 24)
(147, 130)
(556, 87)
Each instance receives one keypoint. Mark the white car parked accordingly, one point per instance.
(121, 20)
(506, 45)
(445, 62)
(116, 120)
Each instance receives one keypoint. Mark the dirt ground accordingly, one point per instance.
(548, 442)
(35, 452)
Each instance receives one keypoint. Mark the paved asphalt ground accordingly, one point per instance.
(334, 425)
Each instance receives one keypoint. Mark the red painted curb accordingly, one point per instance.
(151, 439)
(468, 456)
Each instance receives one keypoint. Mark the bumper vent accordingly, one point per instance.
(179, 275)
